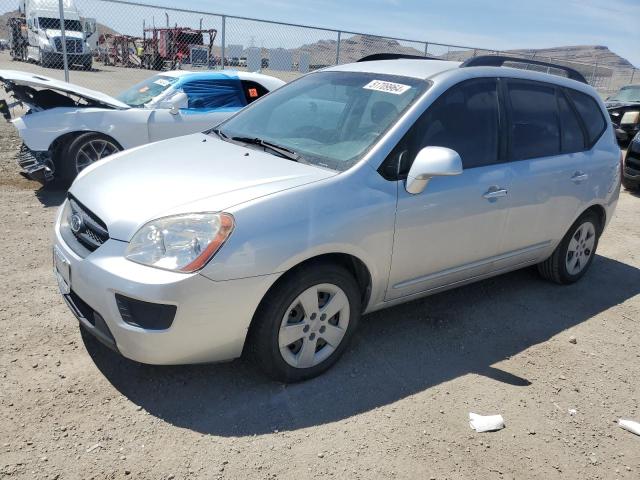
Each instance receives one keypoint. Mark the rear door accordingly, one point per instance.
(547, 144)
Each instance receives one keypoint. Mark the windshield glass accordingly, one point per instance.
(48, 23)
(330, 119)
(146, 90)
(627, 94)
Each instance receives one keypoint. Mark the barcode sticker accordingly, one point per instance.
(387, 87)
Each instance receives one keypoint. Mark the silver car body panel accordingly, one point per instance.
(287, 213)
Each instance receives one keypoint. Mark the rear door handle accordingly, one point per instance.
(495, 192)
(579, 177)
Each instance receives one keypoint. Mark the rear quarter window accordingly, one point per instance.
(591, 114)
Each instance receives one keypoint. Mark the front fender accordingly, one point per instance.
(39, 130)
(351, 213)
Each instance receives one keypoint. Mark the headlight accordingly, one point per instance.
(183, 243)
(630, 118)
(47, 47)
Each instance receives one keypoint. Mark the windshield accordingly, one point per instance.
(627, 94)
(329, 119)
(48, 23)
(146, 90)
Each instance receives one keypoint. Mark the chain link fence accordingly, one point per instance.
(108, 45)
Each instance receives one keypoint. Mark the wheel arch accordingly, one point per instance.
(601, 213)
(67, 137)
(351, 263)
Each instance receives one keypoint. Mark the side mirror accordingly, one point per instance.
(432, 162)
(176, 102)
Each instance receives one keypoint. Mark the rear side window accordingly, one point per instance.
(591, 114)
(572, 135)
(253, 90)
(535, 126)
(465, 119)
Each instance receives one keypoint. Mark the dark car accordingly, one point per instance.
(624, 110)
(631, 172)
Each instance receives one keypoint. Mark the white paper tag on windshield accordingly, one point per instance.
(387, 87)
(162, 82)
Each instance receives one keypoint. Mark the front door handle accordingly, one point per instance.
(579, 177)
(495, 192)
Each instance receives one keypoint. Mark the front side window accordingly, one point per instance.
(145, 91)
(464, 119)
(591, 114)
(330, 119)
(210, 94)
(534, 126)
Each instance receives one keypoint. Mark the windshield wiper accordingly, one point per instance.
(279, 149)
(219, 132)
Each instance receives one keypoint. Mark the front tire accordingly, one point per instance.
(573, 256)
(305, 323)
(81, 152)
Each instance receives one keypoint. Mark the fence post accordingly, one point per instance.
(426, 49)
(64, 43)
(224, 25)
(338, 48)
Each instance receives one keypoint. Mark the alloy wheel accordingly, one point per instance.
(314, 325)
(580, 248)
(92, 151)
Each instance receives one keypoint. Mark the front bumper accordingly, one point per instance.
(55, 59)
(36, 165)
(211, 319)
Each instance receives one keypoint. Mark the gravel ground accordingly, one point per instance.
(395, 406)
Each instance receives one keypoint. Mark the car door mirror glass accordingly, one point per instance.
(432, 162)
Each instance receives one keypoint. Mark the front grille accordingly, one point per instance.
(74, 45)
(88, 229)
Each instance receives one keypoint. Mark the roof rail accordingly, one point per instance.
(393, 56)
(499, 60)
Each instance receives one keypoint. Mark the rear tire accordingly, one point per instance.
(292, 338)
(573, 256)
(81, 152)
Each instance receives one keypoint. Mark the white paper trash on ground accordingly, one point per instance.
(488, 423)
(633, 427)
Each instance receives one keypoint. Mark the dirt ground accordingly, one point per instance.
(394, 407)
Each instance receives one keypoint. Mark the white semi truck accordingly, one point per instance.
(43, 30)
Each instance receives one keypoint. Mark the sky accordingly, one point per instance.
(492, 24)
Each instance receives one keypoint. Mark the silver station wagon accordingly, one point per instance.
(349, 190)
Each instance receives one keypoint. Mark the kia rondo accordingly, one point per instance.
(346, 191)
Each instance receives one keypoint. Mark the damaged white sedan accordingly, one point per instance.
(67, 127)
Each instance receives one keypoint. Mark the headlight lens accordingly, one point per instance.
(183, 243)
(630, 118)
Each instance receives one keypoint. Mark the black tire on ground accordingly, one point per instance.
(65, 162)
(630, 185)
(262, 340)
(555, 267)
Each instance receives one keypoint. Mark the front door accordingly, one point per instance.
(452, 230)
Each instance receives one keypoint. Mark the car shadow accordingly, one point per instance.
(397, 352)
(51, 195)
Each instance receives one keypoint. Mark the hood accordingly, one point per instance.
(613, 104)
(11, 78)
(196, 173)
